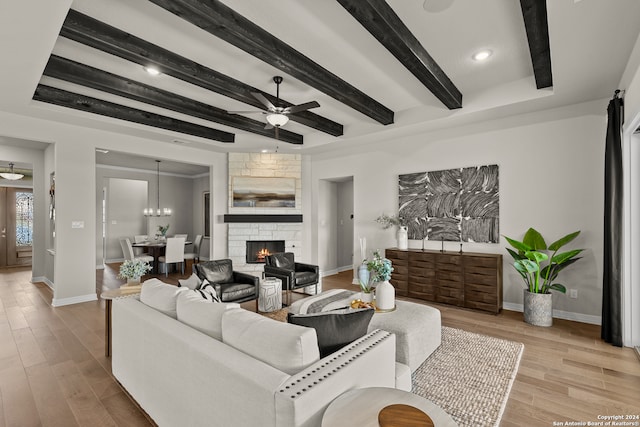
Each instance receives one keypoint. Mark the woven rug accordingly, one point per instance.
(469, 376)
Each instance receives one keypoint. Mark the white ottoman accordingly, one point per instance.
(417, 329)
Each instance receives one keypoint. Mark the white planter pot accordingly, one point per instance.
(385, 296)
(403, 239)
(538, 309)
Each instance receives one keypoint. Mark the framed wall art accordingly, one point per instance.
(267, 192)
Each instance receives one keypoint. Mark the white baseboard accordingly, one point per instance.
(44, 280)
(59, 302)
(559, 314)
(335, 271)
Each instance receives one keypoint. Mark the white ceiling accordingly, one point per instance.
(590, 44)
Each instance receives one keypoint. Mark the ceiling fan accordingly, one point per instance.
(275, 115)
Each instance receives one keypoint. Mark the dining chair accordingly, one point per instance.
(139, 238)
(127, 251)
(195, 255)
(181, 235)
(174, 253)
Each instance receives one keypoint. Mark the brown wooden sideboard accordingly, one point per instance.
(467, 279)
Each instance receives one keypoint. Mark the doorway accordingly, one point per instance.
(16, 226)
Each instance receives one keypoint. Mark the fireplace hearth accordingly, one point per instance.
(258, 249)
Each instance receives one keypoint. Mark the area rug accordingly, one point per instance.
(469, 376)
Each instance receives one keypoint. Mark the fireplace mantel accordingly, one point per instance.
(263, 218)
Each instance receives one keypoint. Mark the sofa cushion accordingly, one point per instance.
(193, 282)
(282, 261)
(289, 348)
(305, 277)
(202, 314)
(219, 271)
(336, 328)
(235, 291)
(161, 296)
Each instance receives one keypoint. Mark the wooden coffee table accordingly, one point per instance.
(108, 296)
(360, 407)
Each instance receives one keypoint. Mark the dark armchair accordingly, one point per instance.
(293, 274)
(231, 286)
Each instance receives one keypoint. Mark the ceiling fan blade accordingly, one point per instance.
(301, 107)
(246, 112)
(260, 97)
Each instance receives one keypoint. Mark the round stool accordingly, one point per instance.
(270, 295)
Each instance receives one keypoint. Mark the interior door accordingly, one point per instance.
(16, 226)
(3, 227)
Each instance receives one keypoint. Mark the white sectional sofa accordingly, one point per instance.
(260, 372)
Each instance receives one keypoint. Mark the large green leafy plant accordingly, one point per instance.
(539, 264)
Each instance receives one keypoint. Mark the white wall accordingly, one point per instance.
(75, 168)
(126, 199)
(327, 226)
(345, 225)
(200, 186)
(551, 178)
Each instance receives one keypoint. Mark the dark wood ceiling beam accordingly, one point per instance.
(534, 13)
(224, 23)
(84, 75)
(91, 32)
(377, 17)
(76, 101)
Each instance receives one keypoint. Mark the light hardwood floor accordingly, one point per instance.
(53, 371)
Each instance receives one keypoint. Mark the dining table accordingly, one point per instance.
(156, 249)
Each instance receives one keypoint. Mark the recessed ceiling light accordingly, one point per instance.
(481, 55)
(152, 70)
(102, 150)
(264, 150)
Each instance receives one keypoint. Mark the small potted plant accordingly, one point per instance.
(539, 266)
(162, 231)
(388, 221)
(133, 270)
(372, 273)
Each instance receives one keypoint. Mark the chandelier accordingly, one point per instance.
(158, 211)
(11, 175)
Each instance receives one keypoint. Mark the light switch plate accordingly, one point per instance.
(77, 224)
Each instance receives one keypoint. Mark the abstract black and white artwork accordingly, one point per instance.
(460, 205)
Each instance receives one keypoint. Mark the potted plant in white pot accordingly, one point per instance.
(388, 221)
(539, 266)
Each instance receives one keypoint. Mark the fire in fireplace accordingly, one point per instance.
(258, 249)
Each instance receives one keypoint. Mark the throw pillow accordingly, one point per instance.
(202, 314)
(208, 291)
(193, 282)
(336, 328)
(161, 296)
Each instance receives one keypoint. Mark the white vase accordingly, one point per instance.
(385, 296)
(403, 238)
(366, 296)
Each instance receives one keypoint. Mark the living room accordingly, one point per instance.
(550, 157)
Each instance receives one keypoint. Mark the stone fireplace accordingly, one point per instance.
(258, 249)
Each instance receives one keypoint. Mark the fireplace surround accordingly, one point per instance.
(258, 249)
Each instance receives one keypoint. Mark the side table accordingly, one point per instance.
(270, 295)
(360, 407)
(108, 296)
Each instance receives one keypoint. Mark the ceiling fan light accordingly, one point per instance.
(11, 175)
(277, 120)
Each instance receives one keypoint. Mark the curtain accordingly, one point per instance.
(611, 330)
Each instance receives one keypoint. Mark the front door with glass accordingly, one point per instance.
(16, 226)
